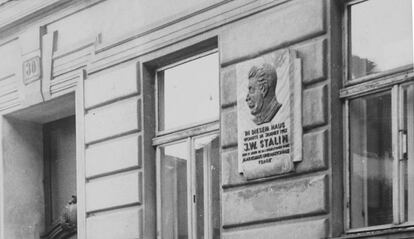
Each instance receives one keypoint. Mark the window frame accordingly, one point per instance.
(393, 80)
(346, 23)
(347, 175)
(159, 132)
(188, 134)
(398, 197)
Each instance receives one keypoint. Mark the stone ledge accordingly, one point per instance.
(309, 230)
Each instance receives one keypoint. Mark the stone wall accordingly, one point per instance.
(113, 154)
(294, 205)
(116, 113)
(23, 199)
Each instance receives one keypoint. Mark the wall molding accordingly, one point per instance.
(9, 95)
(187, 24)
(156, 37)
(201, 22)
(14, 13)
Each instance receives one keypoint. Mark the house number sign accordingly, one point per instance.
(31, 70)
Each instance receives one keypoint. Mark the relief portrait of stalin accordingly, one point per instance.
(261, 96)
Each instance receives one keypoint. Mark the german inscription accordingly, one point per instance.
(266, 115)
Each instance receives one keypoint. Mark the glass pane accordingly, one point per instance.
(381, 36)
(207, 187)
(371, 160)
(174, 163)
(407, 165)
(188, 93)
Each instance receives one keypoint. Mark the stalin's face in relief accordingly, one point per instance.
(261, 98)
(255, 96)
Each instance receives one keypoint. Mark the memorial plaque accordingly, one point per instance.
(269, 104)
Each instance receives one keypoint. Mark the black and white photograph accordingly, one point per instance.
(206, 119)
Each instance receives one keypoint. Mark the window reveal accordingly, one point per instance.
(60, 178)
(188, 157)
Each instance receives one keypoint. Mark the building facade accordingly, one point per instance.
(206, 119)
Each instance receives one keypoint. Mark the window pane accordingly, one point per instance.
(407, 164)
(381, 36)
(188, 93)
(174, 161)
(207, 189)
(371, 160)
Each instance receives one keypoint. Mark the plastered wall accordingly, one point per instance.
(294, 205)
(117, 105)
(22, 179)
(113, 154)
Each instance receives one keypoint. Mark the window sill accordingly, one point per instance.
(395, 232)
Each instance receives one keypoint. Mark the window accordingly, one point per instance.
(379, 115)
(380, 37)
(188, 149)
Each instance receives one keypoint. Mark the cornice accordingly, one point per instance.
(15, 12)
(159, 35)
